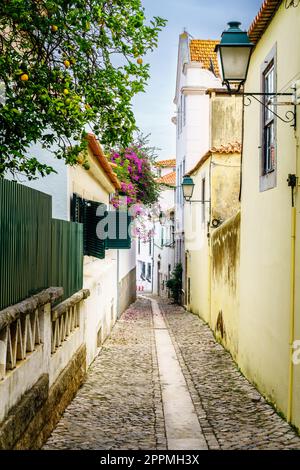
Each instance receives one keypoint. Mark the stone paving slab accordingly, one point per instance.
(232, 413)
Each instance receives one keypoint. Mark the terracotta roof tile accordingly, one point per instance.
(168, 180)
(263, 18)
(103, 162)
(234, 147)
(166, 163)
(203, 50)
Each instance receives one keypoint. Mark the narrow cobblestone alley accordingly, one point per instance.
(128, 400)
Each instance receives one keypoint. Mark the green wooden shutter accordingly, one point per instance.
(118, 236)
(93, 246)
(77, 208)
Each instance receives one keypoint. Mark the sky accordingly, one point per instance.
(203, 19)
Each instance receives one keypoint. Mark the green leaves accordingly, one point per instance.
(69, 45)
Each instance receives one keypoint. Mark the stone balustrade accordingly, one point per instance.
(65, 319)
(20, 331)
(42, 347)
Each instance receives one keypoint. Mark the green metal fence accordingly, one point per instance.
(36, 252)
(67, 250)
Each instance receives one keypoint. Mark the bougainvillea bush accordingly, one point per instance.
(66, 64)
(133, 166)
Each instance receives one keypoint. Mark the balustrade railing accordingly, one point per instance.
(20, 329)
(65, 319)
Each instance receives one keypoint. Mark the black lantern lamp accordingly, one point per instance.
(234, 53)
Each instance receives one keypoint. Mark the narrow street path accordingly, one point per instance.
(161, 381)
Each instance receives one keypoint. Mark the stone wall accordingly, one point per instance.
(31, 421)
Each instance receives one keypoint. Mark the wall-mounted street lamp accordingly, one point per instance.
(188, 186)
(162, 218)
(234, 54)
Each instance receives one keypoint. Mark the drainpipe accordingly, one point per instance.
(209, 243)
(292, 182)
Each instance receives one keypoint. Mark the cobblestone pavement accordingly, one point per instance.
(120, 406)
(233, 415)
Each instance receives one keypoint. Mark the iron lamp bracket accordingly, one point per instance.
(290, 117)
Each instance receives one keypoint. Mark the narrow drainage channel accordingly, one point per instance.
(182, 426)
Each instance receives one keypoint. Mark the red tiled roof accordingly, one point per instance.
(166, 163)
(106, 167)
(235, 147)
(262, 19)
(168, 180)
(203, 50)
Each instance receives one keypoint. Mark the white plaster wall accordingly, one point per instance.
(194, 140)
(55, 184)
(127, 260)
(100, 277)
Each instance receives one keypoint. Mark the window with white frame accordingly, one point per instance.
(268, 157)
(269, 121)
(184, 110)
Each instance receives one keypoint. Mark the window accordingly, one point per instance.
(150, 247)
(172, 235)
(184, 110)
(162, 237)
(181, 112)
(143, 271)
(269, 122)
(149, 272)
(268, 157)
(203, 199)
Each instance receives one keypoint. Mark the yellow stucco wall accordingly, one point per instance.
(222, 175)
(266, 228)
(225, 276)
(225, 119)
(197, 249)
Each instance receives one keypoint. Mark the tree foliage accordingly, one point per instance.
(65, 64)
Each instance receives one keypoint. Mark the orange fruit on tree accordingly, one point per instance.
(54, 28)
(140, 61)
(80, 159)
(24, 77)
(66, 91)
(67, 63)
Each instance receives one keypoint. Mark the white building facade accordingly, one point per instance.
(156, 252)
(197, 72)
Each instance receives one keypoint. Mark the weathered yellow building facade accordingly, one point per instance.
(217, 184)
(270, 272)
